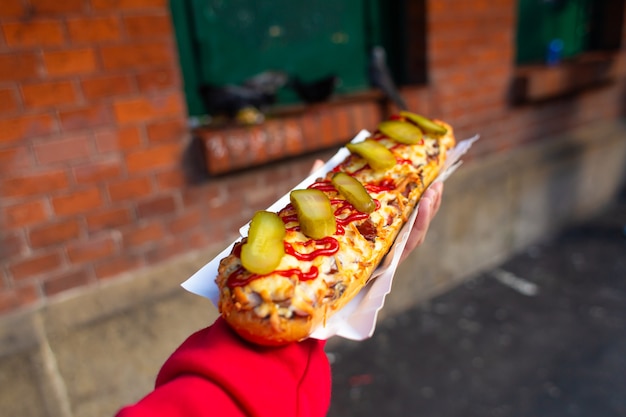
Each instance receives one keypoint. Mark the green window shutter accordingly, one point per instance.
(237, 39)
(228, 41)
(542, 21)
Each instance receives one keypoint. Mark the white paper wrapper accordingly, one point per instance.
(357, 320)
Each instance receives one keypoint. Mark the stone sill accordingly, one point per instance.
(534, 83)
(288, 132)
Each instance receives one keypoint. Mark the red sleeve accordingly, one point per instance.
(214, 373)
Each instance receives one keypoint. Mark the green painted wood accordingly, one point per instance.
(188, 55)
(227, 41)
(541, 21)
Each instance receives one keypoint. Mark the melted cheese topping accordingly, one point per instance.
(275, 295)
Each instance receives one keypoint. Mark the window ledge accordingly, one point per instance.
(534, 83)
(289, 131)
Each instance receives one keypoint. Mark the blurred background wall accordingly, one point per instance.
(115, 186)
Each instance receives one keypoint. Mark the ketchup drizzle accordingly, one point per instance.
(344, 212)
(237, 279)
(327, 246)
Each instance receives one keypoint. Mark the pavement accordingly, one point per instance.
(543, 334)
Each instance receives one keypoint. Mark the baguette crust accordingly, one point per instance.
(279, 308)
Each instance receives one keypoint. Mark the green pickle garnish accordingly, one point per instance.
(426, 124)
(376, 154)
(315, 213)
(402, 132)
(264, 248)
(354, 192)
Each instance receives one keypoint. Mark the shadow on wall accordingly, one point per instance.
(194, 163)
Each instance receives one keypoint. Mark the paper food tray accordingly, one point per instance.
(357, 320)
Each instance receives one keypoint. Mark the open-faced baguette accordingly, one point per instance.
(317, 277)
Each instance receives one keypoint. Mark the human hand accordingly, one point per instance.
(428, 208)
(316, 165)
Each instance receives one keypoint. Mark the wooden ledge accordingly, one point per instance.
(540, 82)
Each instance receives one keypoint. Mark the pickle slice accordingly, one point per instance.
(315, 213)
(402, 132)
(425, 123)
(354, 192)
(264, 249)
(376, 154)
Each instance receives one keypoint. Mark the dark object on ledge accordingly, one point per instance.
(228, 100)
(316, 91)
(380, 77)
(256, 93)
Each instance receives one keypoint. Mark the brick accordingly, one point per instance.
(309, 123)
(106, 86)
(294, 143)
(167, 130)
(58, 283)
(127, 4)
(48, 94)
(156, 206)
(94, 29)
(70, 62)
(189, 219)
(148, 26)
(228, 215)
(63, 149)
(117, 265)
(129, 189)
(275, 145)
(143, 234)
(257, 145)
(77, 202)
(166, 250)
(327, 133)
(139, 55)
(16, 158)
(40, 32)
(8, 101)
(154, 157)
(157, 79)
(36, 265)
(33, 184)
(12, 244)
(12, 8)
(25, 213)
(173, 178)
(148, 108)
(54, 233)
(91, 249)
(216, 152)
(97, 172)
(199, 239)
(208, 194)
(25, 126)
(20, 296)
(119, 139)
(17, 66)
(238, 143)
(40, 7)
(342, 125)
(87, 117)
(108, 219)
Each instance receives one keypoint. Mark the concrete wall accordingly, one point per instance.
(89, 353)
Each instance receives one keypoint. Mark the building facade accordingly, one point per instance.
(104, 180)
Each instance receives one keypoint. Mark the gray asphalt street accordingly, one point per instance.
(544, 334)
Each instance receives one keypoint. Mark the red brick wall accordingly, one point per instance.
(92, 134)
(92, 126)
